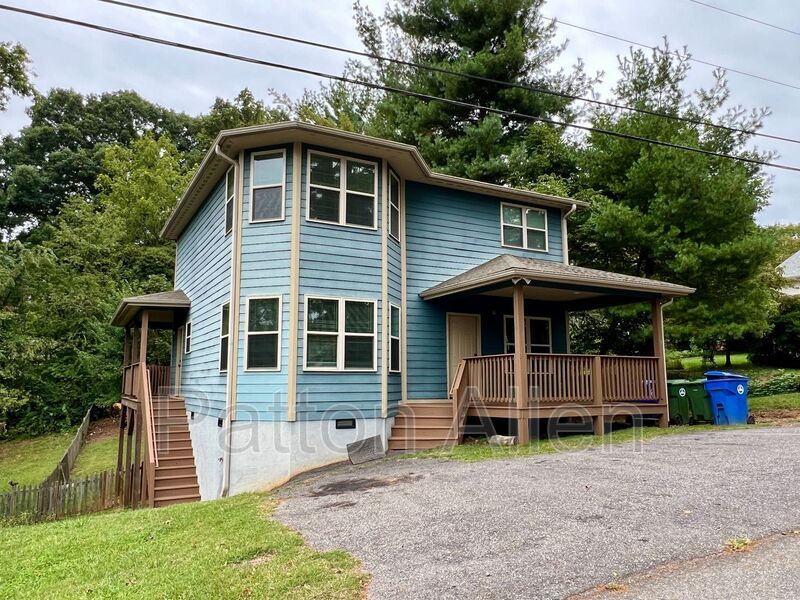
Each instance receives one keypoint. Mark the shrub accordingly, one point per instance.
(785, 382)
(781, 346)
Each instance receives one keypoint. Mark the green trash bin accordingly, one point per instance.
(678, 401)
(699, 402)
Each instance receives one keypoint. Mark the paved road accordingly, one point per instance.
(555, 525)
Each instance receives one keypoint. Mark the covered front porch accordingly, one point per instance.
(540, 378)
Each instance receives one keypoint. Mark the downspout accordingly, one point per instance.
(564, 240)
(226, 447)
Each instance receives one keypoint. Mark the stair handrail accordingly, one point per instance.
(148, 420)
(460, 394)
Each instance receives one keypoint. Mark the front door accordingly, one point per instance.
(463, 340)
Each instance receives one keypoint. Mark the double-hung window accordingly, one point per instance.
(394, 206)
(524, 227)
(263, 334)
(341, 190)
(230, 196)
(537, 335)
(267, 174)
(187, 338)
(394, 339)
(340, 334)
(224, 332)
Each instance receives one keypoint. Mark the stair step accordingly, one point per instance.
(417, 444)
(180, 499)
(175, 471)
(426, 411)
(422, 420)
(175, 461)
(164, 490)
(179, 480)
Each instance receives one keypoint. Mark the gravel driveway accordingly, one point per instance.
(550, 526)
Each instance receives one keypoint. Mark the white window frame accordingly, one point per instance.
(528, 345)
(187, 337)
(524, 228)
(394, 204)
(229, 199)
(398, 337)
(342, 190)
(248, 333)
(340, 333)
(226, 335)
(282, 184)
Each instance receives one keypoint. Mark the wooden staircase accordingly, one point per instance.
(175, 473)
(421, 424)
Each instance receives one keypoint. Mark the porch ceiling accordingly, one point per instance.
(555, 282)
(162, 305)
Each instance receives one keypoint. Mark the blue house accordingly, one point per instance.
(330, 288)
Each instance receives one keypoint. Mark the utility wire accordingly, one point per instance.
(442, 70)
(691, 58)
(741, 16)
(385, 88)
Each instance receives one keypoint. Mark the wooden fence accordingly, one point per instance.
(30, 504)
(61, 473)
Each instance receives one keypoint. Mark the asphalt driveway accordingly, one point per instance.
(551, 526)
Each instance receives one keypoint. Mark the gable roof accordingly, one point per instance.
(511, 268)
(405, 160)
(129, 307)
(791, 266)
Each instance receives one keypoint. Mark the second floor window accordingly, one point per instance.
(230, 196)
(394, 206)
(341, 190)
(266, 190)
(524, 227)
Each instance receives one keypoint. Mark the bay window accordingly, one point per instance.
(340, 334)
(267, 175)
(262, 350)
(341, 190)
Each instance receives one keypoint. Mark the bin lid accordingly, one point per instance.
(724, 375)
(678, 381)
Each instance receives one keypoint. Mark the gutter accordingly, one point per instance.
(564, 238)
(232, 330)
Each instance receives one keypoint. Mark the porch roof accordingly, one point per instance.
(506, 270)
(163, 305)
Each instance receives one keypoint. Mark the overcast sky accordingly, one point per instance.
(91, 62)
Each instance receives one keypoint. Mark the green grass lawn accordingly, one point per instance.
(776, 402)
(228, 548)
(29, 461)
(482, 450)
(695, 363)
(95, 456)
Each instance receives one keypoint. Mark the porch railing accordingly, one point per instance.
(566, 379)
(130, 380)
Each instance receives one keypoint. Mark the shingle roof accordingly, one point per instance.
(791, 266)
(128, 308)
(507, 267)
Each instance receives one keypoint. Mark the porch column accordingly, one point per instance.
(659, 353)
(520, 364)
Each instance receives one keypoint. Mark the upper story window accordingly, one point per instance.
(267, 176)
(230, 195)
(524, 227)
(394, 206)
(342, 190)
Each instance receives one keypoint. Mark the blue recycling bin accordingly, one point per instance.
(728, 392)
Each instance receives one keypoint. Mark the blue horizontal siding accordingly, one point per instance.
(447, 233)
(266, 249)
(346, 262)
(203, 272)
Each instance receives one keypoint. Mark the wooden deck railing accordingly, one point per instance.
(130, 381)
(555, 379)
(151, 454)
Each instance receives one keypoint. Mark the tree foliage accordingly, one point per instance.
(15, 78)
(682, 217)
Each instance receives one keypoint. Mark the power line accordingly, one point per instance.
(691, 58)
(385, 88)
(741, 16)
(441, 70)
